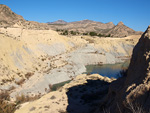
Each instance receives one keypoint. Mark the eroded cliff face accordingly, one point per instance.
(133, 91)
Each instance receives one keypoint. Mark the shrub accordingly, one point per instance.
(100, 35)
(22, 98)
(4, 95)
(108, 35)
(136, 108)
(93, 34)
(85, 33)
(73, 32)
(9, 107)
(28, 75)
(58, 30)
(6, 107)
(65, 32)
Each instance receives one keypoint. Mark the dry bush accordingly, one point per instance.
(136, 108)
(4, 95)
(28, 75)
(43, 59)
(22, 99)
(6, 107)
(129, 108)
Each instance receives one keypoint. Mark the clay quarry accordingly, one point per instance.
(34, 57)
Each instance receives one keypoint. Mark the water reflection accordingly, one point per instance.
(109, 70)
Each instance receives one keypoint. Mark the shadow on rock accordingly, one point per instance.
(85, 98)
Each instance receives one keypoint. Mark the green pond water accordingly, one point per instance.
(109, 70)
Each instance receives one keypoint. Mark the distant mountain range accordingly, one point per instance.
(82, 26)
(86, 26)
(10, 19)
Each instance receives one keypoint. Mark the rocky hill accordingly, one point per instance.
(58, 22)
(10, 19)
(131, 93)
(7, 17)
(121, 30)
(87, 26)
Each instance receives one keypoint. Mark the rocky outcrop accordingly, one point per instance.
(132, 93)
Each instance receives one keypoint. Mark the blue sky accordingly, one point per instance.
(133, 13)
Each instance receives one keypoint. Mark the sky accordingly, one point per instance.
(133, 13)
